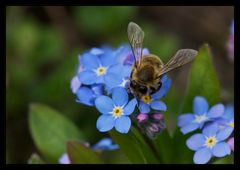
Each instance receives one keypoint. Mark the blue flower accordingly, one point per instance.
(87, 94)
(209, 143)
(105, 144)
(226, 121)
(115, 111)
(64, 159)
(97, 64)
(154, 101)
(192, 121)
(119, 77)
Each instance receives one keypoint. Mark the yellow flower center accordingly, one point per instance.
(101, 71)
(210, 141)
(146, 99)
(117, 111)
(231, 124)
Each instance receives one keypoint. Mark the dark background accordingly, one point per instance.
(43, 44)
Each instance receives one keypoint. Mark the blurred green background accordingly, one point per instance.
(43, 44)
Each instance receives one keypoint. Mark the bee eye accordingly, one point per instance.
(143, 89)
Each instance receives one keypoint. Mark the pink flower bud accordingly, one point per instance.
(142, 117)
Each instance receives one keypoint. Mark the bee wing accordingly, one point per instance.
(135, 36)
(182, 57)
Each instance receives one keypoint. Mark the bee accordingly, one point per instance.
(147, 70)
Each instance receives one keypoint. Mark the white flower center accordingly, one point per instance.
(117, 111)
(210, 141)
(101, 71)
(124, 81)
(200, 118)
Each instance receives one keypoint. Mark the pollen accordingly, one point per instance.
(210, 141)
(146, 99)
(101, 71)
(117, 111)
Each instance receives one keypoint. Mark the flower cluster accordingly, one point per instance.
(217, 125)
(104, 144)
(102, 81)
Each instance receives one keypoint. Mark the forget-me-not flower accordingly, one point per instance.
(115, 112)
(104, 144)
(97, 64)
(208, 143)
(153, 101)
(201, 114)
(87, 94)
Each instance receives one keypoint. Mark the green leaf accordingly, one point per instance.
(202, 81)
(35, 159)
(80, 154)
(134, 147)
(164, 146)
(225, 160)
(50, 131)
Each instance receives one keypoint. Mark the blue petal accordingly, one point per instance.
(129, 108)
(90, 61)
(119, 96)
(102, 144)
(195, 142)
(97, 89)
(87, 77)
(64, 159)
(104, 104)
(144, 107)
(116, 69)
(200, 105)
(121, 53)
(100, 79)
(112, 80)
(163, 90)
(216, 111)
(210, 129)
(105, 123)
(229, 112)
(85, 96)
(121, 71)
(75, 84)
(221, 149)
(96, 51)
(126, 71)
(107, 58)
(185, 119)
(123, 124)
(164, 78)
(113, 147)
(189, 128)
(158, 105)
(202, 156)
(224, 133)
